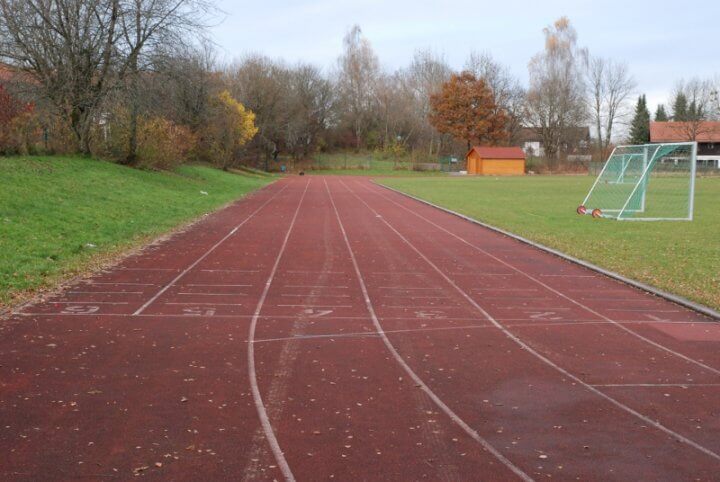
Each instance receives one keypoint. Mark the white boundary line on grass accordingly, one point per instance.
(538, 355)
(418, 381)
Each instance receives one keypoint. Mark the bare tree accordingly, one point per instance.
(507, 90)
(261, 84)
(146, 26)
(556, 98)
(423, 78)
(700, 95)
(609, 87)
(79, 50)
(358, 71)
(309, 100)
(68, 46)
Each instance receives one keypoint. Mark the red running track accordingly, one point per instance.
(327, 328)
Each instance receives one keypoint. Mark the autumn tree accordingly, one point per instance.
(465, 108)
(231, 126)
(508, 93)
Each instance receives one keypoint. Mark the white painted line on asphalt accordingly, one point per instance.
(257, 396)
(540, 356)
(418, 381)
(207, 253)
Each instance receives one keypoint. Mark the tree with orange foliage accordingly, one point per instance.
(465, 108)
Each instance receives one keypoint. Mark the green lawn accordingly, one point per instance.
(59, 216)
(679, 257)
(362, 164)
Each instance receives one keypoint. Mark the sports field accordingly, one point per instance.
(61, 216)
(325, 328)
(679, 257)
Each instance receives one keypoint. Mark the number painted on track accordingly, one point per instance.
(80, 310)
(199, 311)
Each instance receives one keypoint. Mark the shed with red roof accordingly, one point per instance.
(496, 161)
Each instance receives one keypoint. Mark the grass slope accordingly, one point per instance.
(679, 257)
(53, 209)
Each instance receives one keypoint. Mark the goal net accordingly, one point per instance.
(650, 182)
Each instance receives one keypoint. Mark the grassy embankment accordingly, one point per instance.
(61, 216)
(679, 257)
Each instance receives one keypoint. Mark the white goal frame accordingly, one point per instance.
(648, 164)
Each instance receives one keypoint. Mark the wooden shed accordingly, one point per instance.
(496, 161)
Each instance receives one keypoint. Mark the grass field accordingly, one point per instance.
(679, 257)
(362, 164)
(59, 216)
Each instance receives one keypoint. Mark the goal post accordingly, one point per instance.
(649, 182)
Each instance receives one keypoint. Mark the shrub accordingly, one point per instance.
(230, 127)
(162, 144)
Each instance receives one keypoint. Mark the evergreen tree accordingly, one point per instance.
(660, 114)
(640, 127)
(695, 112)
(680, 108)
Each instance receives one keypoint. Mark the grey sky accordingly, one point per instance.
(662, 41)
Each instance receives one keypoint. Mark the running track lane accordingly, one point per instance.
(390, 340)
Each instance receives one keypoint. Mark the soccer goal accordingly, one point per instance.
(650, 182)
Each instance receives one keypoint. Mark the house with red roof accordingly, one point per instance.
(496, 161)
(705, 133)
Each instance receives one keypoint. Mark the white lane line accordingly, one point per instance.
(206, 254)
(144, 269)
(104, 292)
(625, 300)
(51, 302)
(315, 295)
(118, 284)
(643, 310)
(418, 381)
(412, 297)
(315, 286)
(403, 288)
(313, 272)
(360, 333)
(211, 294)
(538, 355)
(239, 270)
(568, 275)
(618, 324)
(315, 306)
(257, 396)
(514, 322)
(504, 289)
(198, 304)
(656, 385)
(516, 298)
(216, 286)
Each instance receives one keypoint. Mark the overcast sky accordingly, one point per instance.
(661, 40)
